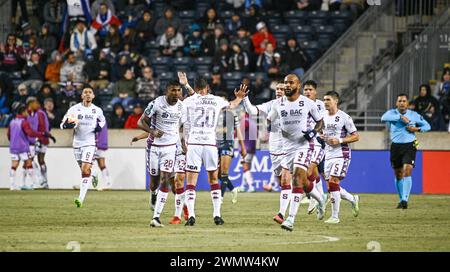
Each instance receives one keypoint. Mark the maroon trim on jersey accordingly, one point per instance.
(301, 165)
(163, 145)
(203, 144)
(190, 171)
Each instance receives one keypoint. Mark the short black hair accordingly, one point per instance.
(174, 83)
(310, 82)
(333, 94)
(200, 83)
(403, 94)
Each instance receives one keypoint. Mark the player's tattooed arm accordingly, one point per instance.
(184, 82)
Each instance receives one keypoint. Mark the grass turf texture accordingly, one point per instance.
(119, 221)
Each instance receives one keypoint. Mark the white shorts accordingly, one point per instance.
(297, 159)
(180, 163)
(99, 153)
(162, 158)
(197, 154)
(336, 167)
(276, 164)
(317, 155)
(32, 151)
(41, 148)
(84, 154)
(21, 156)
(249, 158)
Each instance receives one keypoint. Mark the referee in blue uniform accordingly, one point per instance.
(403, 125)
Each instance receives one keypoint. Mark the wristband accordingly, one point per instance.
(341, 140)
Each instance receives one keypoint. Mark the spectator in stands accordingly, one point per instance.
(167, 20)
(124, 63)
(72, 69)
(49, 108)
(133, 119)
(434, 118)
(22, 94)
(238, 61)
(181, 4)
(216, 84)
(53, 70)
(99, 71)
(30, 48)
(334, 5)
(66, 98)
(252, 18)
(11, 55)
(125, 89)
(118, 117)
(265, 60)
(262, 38)
(104, 20)
(443, 87)
(233, 24)
(277, 69)
(133, 9)
(243, 40)
(131, 38)
(45, 92)
(211, 44)
(146, 25)
(425, 101)
(26, 33)
(356, 7)
(23, 10)
(147, 87)
(54, 15)
(34, 72)
(209, 21)
(96, 7)
(222, 56)
(46, 41)
(309, 5)
(113, 40)
(294, 57)
(82, 41)
(446, 109)
(140, 65)
(249, 3)
(194, 41)
(261, 92)
(171, 43)
(236, 4)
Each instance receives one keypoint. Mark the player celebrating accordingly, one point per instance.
(338, 132)
(403, 124)
(102, 147)
(86, 119)
(19, 130)
(249, 126)
(310, 91)
(275, 148)
(204, 110)
(164, 115)
(294, 110)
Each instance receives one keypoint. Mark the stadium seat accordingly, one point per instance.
(201, 7)
(325, 43)
(304, 36)
(309, 44)
(191, 14)
(341, 16)
(318, 14)
(152, 44)
(253, 76)
(203, 64)
(324, 31)
(295, 14)
(340, 28)
(162, 64)
(272, 21)
(293, 22)
(280, 29)
(107, 92)
(233, 76)
(280, 36)
(226, 14)
(303, 29)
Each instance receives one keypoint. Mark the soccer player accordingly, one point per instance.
(250, 129)
(204, 110)
(86, 119)
(227, 126)
(39, 122)
(338, 132)
(403, 124)
(294, 110)
(102, 147)
(275, 147)
(310, 91)
(164, 114)
(19, 130)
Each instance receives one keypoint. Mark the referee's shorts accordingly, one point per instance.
(402, 154)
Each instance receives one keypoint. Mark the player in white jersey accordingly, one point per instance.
(203, 109)
(294, 111)
(338, 132)
(87, 119)
(165, 115)
(275, 148)
(313, 174)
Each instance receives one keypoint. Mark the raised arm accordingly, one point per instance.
(184, 82)
(240, 94)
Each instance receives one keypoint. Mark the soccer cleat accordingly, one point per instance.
(404, 204)
(320, 210)
(94, 181)
(267, 187)
(251, 189)
(218, 220)
(400, 205)
(234, 194)
(185, 212)
(14, 188)
(332, 220)
(78, 203)
(278, 218)
(175, 221)
(355, 206)
(107, 187)
(156, 223)
(312, 205)
(287, 225)
(44, 185)
(190, 221)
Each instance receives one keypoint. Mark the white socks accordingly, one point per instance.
(296, 197)
(160, 202)
(12, 178)
(347, 196)
(335, 203)
(179, 202)
(285, 198)
(215, 197)
(189, 199)
(85, 182)
(105, 175)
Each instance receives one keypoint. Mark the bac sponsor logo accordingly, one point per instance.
(80, 117)
(164, 115)
(284, 113)
(192, 167)
(296, 112)
(332, 126)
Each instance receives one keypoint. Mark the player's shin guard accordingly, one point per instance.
(84, 186)
(160, 201)
(296, 198)
(335, 199)
(407, 185)
(399, 187)
(215, 197)
(190, 195)
(285, 197)
(179, 202)
(312, 191)
(346, 195)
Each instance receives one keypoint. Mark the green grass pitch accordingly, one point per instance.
(119, 221)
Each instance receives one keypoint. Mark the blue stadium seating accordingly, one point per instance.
(325, 31)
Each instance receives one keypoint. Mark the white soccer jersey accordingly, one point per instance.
(88, 118)
(186, 125)
(294, 118)
(338, 126)
(166, 118)
(203, 112)
(311, 123)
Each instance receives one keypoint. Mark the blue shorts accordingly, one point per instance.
(225, 148)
